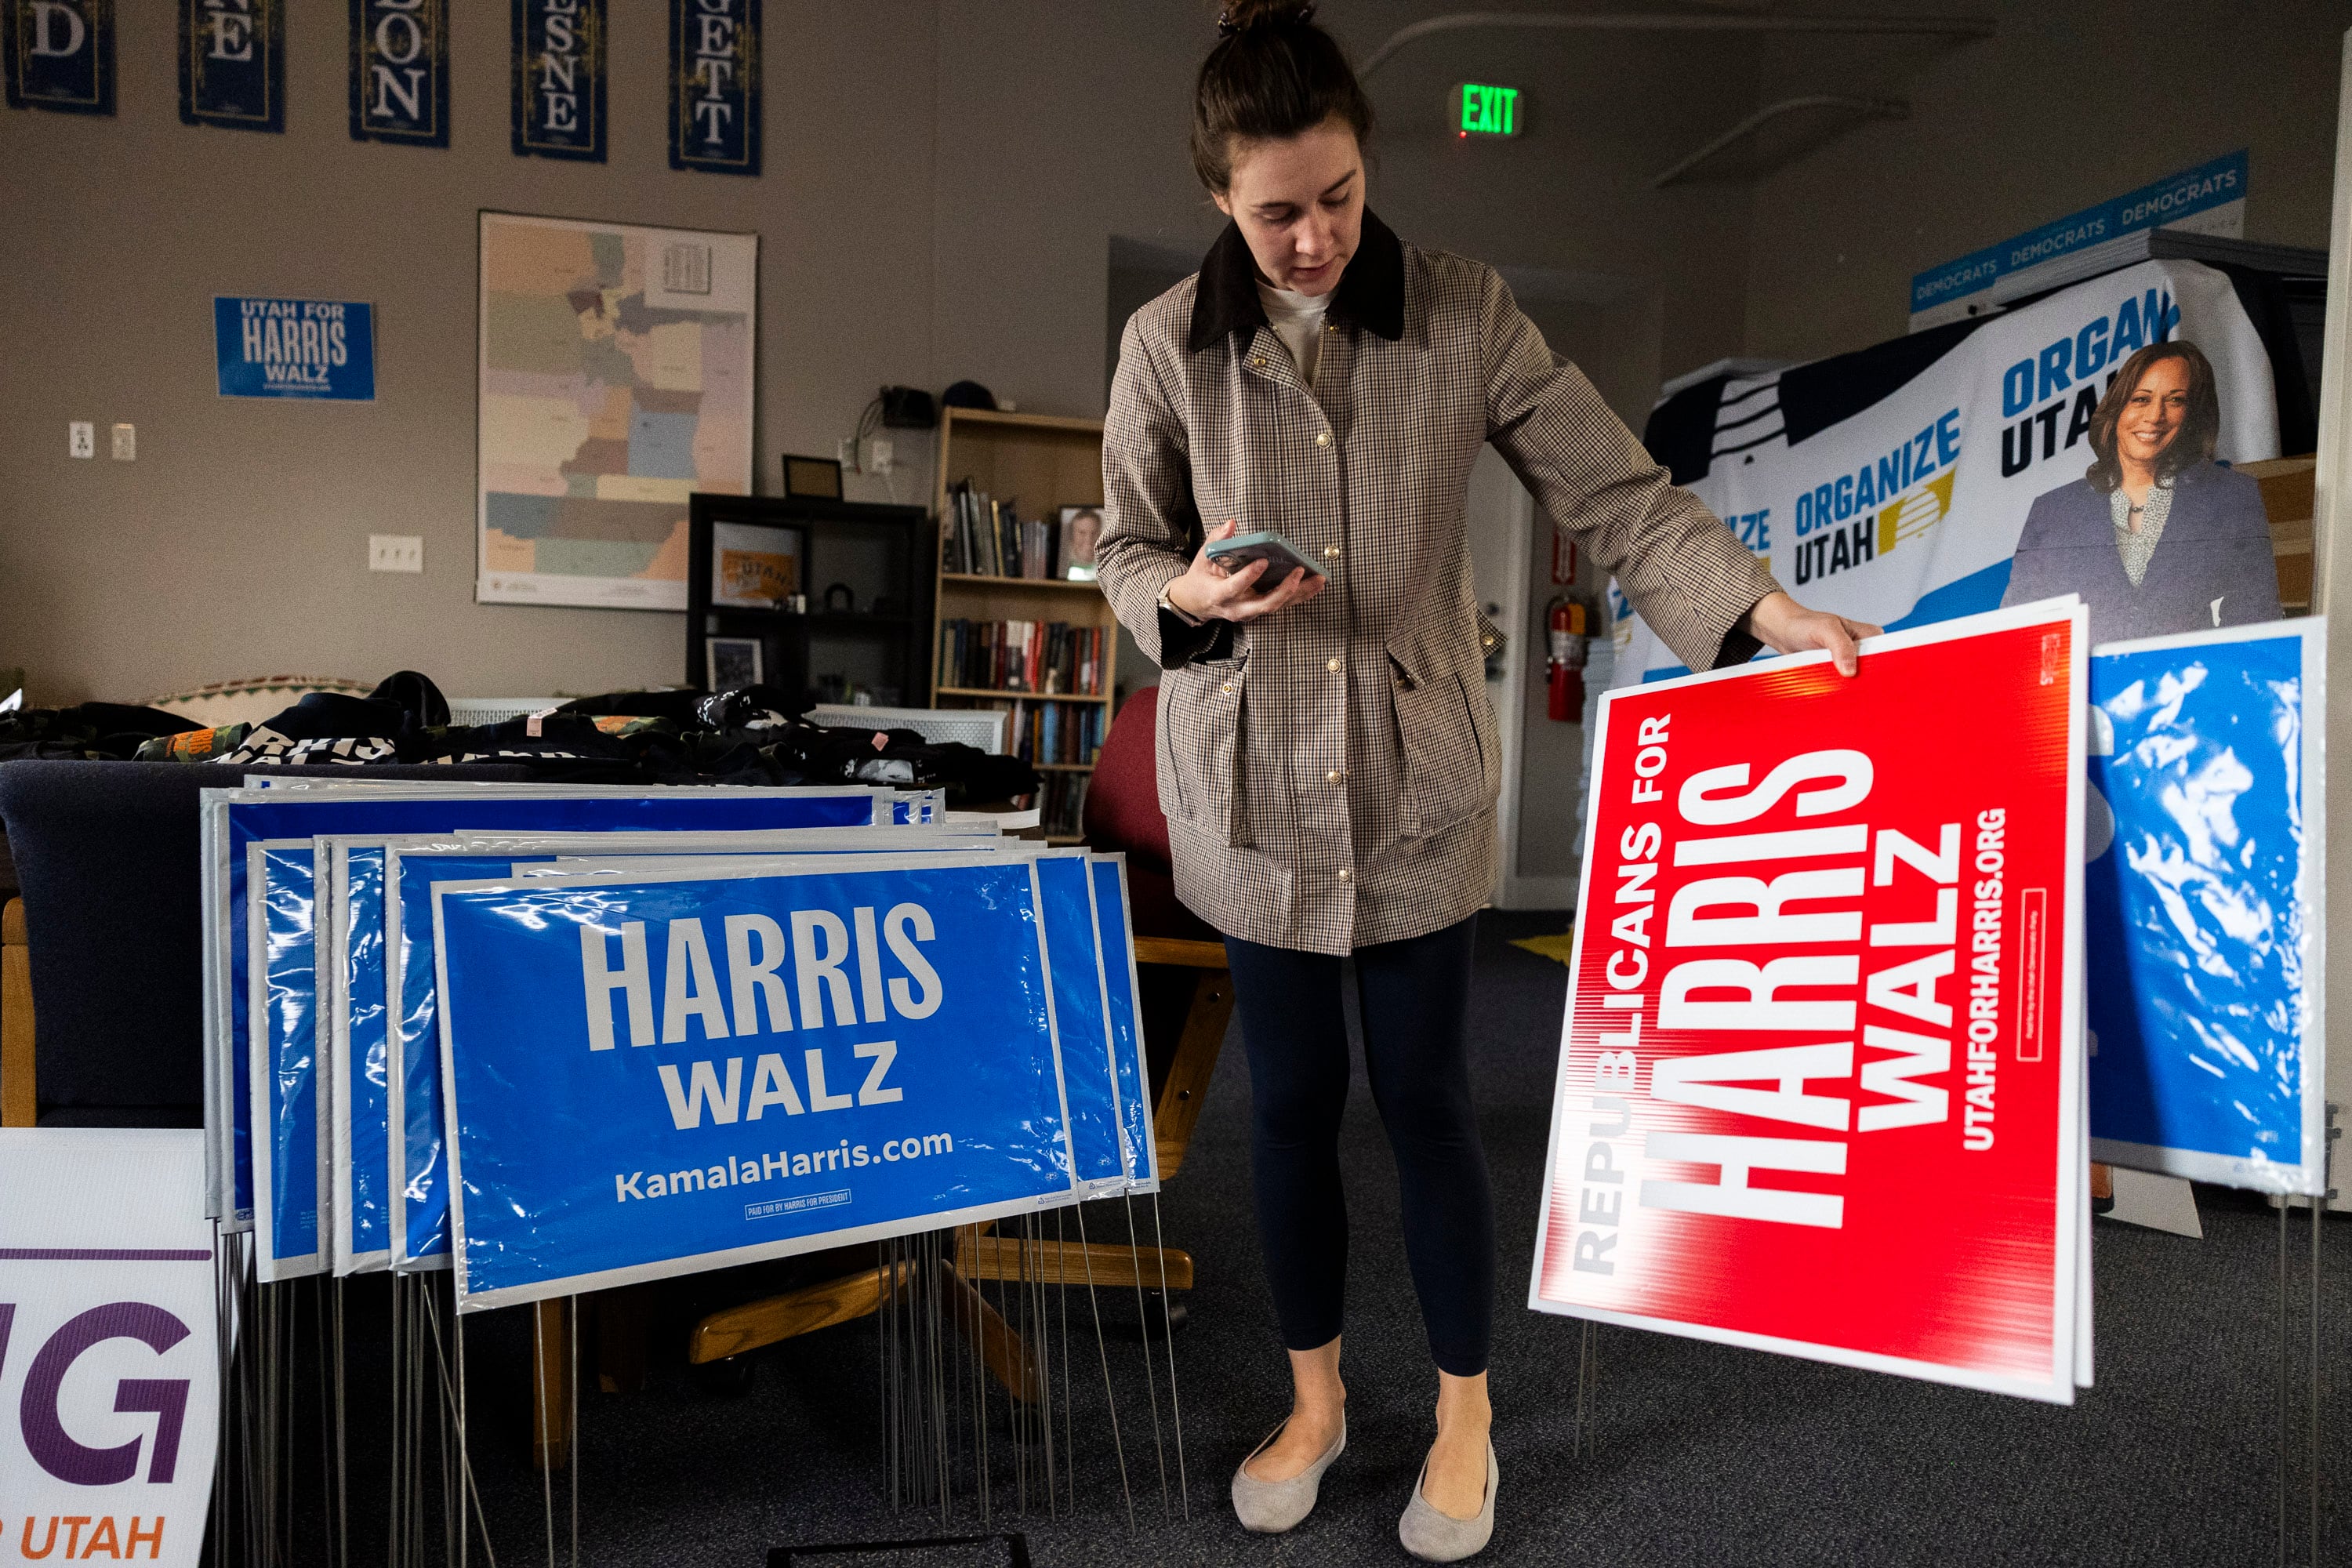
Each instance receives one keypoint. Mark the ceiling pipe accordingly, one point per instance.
(1864, 108)
(1959, 27)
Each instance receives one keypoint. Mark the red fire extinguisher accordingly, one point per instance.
(1565, 623)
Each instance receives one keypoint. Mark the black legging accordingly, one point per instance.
(1412, 996)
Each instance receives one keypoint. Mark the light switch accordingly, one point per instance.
(395, 553)
(81, 438)
(126, 443)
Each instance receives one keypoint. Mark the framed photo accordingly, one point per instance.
(733, 662)
(1081, 527)
(754, 567)
(819, 477)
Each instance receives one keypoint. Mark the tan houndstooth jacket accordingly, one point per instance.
(1329, 772)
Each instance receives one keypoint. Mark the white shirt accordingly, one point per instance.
(1297, 320)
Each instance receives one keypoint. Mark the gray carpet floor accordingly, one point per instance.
(1707, 1454)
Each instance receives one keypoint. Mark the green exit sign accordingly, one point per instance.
(1474, 108)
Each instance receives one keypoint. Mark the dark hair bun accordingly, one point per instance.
(1239, 15)
(1273, 74)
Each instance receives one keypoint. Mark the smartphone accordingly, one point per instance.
(1281, 557)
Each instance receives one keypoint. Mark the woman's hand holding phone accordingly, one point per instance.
(1207, 592)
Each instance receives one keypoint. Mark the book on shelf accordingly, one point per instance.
(1066, 733)
(1051, 657)
(1062, 805)
(984, 536)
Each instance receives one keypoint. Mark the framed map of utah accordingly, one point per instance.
(616, 382)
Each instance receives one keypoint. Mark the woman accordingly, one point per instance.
(1327, 760)
(2155, 537)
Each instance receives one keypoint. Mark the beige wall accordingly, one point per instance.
(2067, 105)
(944, 178)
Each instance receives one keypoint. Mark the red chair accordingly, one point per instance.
(1187, 989)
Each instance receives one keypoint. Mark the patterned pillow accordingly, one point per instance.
(250, 701)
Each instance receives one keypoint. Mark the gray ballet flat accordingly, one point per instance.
(1272, 1507)
(1435, 1537)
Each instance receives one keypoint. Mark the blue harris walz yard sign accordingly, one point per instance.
(295, 348)
(683, 1071)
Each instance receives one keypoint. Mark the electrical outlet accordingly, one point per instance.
(395, 553)
(845, 449)
(879, 453)
(126, 443)
(81, 438)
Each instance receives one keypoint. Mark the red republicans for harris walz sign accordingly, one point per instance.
(1820, 1086)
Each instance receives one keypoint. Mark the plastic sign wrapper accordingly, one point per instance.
(648, 1078)
(419, 1220)
(231, 820)
(110, 1390)
(2205, 937)
(1820, 1081)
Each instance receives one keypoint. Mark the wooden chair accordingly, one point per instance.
(16, 1102)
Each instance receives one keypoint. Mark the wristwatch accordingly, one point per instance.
(1171, 608)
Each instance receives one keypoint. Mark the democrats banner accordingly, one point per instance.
(651, 1076)
(1891, 485)
(109, 1388)
(1820, 1084)
(233, 64)
(295, 348)
(2208, 199)
(2206, 941)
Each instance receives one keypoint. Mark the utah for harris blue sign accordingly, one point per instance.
(685, 1072)
(295, 348)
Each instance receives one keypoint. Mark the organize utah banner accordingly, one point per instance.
(1891, 484)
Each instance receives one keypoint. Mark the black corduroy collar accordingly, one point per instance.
(1370, 292)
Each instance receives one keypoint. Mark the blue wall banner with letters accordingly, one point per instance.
(295, 348)
(400, 72)
(559, 79)
(714, 86)
(60, 55)
(233, 64)
(2204, 929)
(658, 1074)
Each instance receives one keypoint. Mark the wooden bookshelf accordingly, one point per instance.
(1042, 462)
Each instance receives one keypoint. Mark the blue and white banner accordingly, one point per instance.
(360, 1058)
(60, 55)
(2208, 199)
(714, 86)
(1115, 927)
(233, 64)
(110, 1346)
(283, 1076)
(231, 820)
(400, 72)
(652, 1077)
(559, 79)
(315, 349)
(2204, 897)
(1891, 485)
